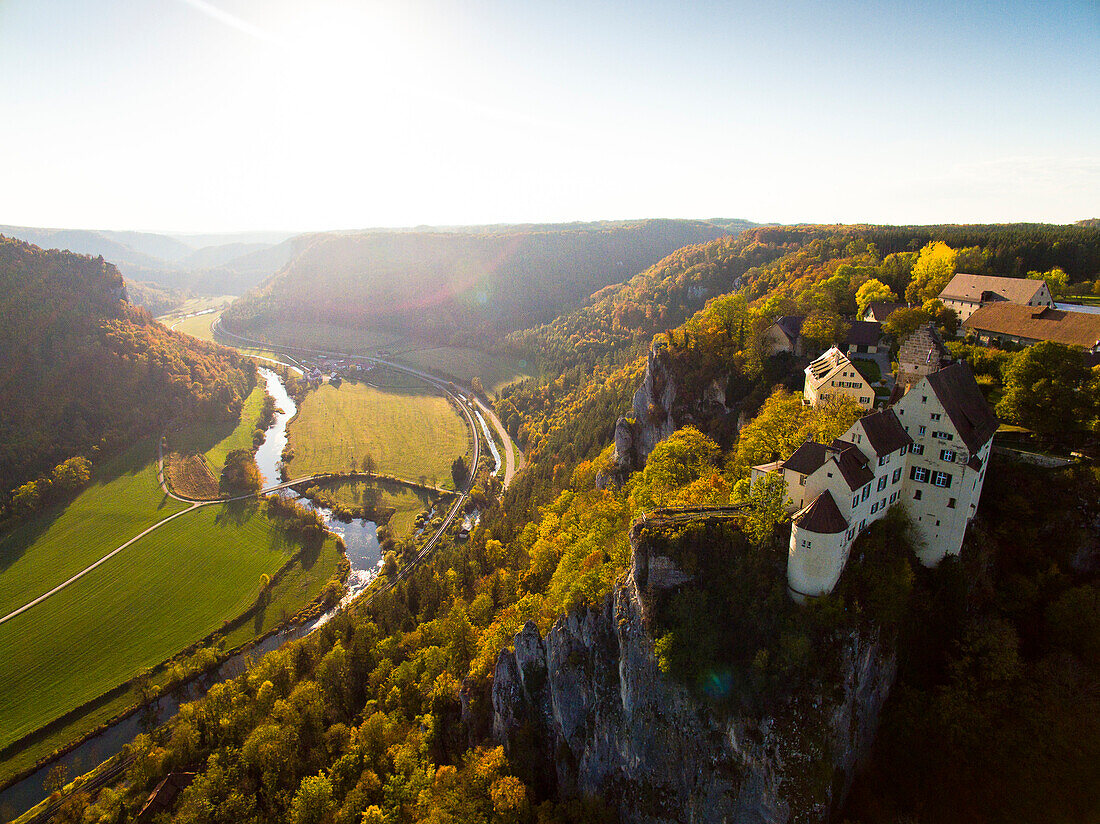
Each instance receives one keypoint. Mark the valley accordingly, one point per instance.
(197, 578)
(625, 416)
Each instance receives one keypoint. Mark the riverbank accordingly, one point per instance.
(362, 550)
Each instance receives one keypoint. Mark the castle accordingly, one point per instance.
(929, 452)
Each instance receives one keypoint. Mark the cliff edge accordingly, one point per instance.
(590, 709)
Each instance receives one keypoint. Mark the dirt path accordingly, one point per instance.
(105, 558)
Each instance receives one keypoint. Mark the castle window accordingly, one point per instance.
(919, 474)
(897, 475)
(935, 416)
(942, 479)
(801, 480)
(885, 459)
(951, 504)
(917, 448)
(893, 497)
(943, 436)
(866, 492)
(924, 399)
(855, 502)
(864, 400)
(862, 524)
(922, 430)
(807, 544)
(851, 533)
(882, 483)
(874, 507)
(947, 455)
(917, 495)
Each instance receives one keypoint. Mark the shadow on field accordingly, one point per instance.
(237, 513)
(15, 540)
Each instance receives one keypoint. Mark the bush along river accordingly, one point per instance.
(363, 553)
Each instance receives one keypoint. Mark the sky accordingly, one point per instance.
(234, 115)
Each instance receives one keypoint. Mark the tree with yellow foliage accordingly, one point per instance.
(935, 266)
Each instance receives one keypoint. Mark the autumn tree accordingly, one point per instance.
(824, 329)
(946, 318)
(241, 475)
(765, 507)
(1056, 279)
(460, 472)
(785, 423)
(904, 322)
(934, 267)
(873, 291)
(675, 463)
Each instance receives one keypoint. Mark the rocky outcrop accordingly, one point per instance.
(590, 705)
(660, 407)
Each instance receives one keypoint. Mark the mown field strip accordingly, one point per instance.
(168, 590)
(54, 545)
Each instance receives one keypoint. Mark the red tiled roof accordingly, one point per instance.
(821, 516)
(885, 432)
(852, 464)
(964, 403)
(979, 288)
(807, 458)
(1035, 323)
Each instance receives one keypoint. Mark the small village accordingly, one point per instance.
(927, 434)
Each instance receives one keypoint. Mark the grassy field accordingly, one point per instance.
(198, 326)
(297, 588)
(325, 336)
(406, 502)
(410, 433)
(53, 546)
(165, 592)
(196, 452)
(216, 441)
(452, 361)
(464, 364)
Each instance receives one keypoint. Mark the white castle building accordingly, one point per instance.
(928, 452)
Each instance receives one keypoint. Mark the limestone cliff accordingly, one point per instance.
(661, 405)
(590, 701)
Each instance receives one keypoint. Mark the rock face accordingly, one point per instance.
(659, 408)
(589, 703)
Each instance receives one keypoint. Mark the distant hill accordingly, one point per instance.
(460, 284)
(85, 371)
(197, 264)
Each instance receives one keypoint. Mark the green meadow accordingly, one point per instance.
(164, 593)
(216, 441)
(49, 548)
(410, 433)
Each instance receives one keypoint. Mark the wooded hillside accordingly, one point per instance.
(458, 286)
(84, 371)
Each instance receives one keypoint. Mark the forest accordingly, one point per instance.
(458, 287)
(383, 715)
(86, 372)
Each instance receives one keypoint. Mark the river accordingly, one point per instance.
(490, 441)
(363, 552)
